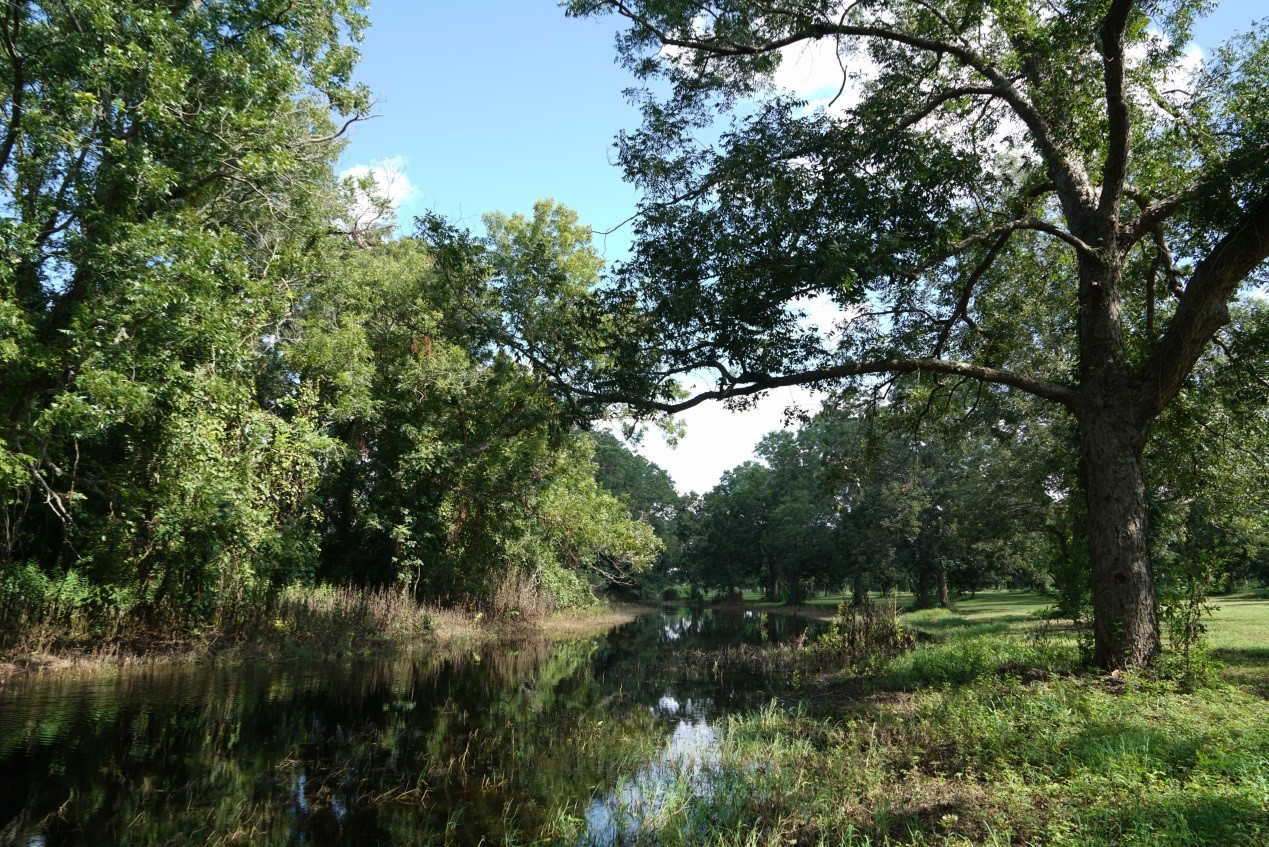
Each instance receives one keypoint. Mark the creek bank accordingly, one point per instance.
(810, 613)
(445, 631)
(989, 731)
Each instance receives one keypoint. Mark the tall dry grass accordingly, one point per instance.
(518, 596)
(305, 622)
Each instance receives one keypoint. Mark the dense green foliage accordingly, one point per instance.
(863, 501)
(222, 377)
(219, 380)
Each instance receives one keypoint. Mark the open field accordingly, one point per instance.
(1238, 629)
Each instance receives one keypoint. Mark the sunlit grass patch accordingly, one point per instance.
(965, 660)
(1238, 634)
(1239, 623)
(1011, 607)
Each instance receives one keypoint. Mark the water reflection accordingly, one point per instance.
(540, 739)
(651, 794)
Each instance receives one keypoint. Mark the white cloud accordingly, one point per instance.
(822, 312)
(719, 439)
(383, 188)
(824, 72)
(1176, 83)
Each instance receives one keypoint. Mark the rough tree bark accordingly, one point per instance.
(1125, 622)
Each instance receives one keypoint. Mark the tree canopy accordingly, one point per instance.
(220, 379)
(1047, 197)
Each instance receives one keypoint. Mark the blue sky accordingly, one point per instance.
(489, 105)
(493, 104)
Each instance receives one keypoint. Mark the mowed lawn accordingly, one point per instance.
(1237, 629)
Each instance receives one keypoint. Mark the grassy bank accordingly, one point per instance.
(989, 733)
(306, 624)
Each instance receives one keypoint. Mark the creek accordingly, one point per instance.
(574, 741)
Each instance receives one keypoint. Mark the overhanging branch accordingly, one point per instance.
(1069, 176)
(1040, 388)
(1204, 306)
(995, 232)
(1153, 214)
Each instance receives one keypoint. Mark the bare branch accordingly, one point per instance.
(961, 312)
(757, 383)
(1040, 388)
(946, 97)
(9, 35)
(1116, 167)
(333, 136)
(995, 232)
(1153, 214)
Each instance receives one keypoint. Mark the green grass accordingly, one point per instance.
(758, 600)
(985, 603)
(1238, 633)
(989, 733)
(1240, 622)
(1068, 761)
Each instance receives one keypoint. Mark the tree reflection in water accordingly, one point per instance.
(573, 741)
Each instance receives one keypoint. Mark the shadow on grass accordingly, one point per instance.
(1245, 666)
(1181, 819)
(1107, 745)
(958, 626)
(1244, 594)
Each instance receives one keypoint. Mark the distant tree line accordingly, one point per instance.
(866, 497)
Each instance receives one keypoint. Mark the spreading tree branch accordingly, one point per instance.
(757, 383)
(9, 35)
(1070, 179)
(1204, 306)
(1153, 214)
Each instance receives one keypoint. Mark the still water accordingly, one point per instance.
(572, 742)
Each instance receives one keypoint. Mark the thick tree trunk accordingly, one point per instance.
(1113, 419)
(924, 590)
(1125, 618)
(945, 602)
(857, 596)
